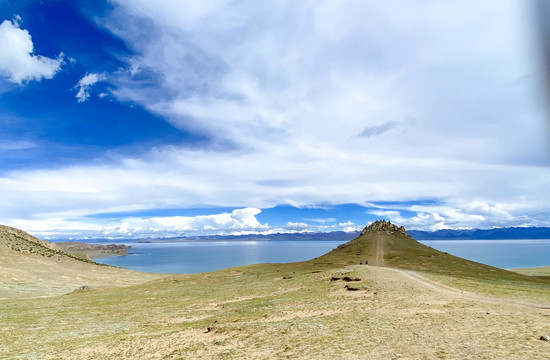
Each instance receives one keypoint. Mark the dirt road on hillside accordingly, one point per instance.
(379, 251)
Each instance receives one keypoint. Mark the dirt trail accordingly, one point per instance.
(379, 251)
(457, 293)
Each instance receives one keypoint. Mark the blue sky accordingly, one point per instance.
(172, 118)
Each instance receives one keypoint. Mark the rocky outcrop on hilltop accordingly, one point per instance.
(383, 225)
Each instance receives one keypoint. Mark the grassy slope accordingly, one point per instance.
(542, 272)
(274, 310)
(260, 311)
(32, 268)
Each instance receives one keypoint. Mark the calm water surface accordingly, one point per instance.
(505, 254)
(193, 257)
(203, 256)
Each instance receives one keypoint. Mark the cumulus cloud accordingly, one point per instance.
(18, 63)
(463, 215)
(85, 84)
(349, 226)
(239, 221)
(296, 226)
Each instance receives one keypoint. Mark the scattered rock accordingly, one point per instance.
(211, 329)
(219, 342)
(353, 288)
(287, 277)
(316, 271)
(545, 338)
(345, 278)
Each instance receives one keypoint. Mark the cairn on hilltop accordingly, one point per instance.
(383, 225)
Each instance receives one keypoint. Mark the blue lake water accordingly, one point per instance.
(505, 254)
(203, 256)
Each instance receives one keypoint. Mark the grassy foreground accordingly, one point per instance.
(319, 309)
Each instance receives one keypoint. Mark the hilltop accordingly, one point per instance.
(31, 267)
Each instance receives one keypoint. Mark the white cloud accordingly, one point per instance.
(17, 145)
(349, 226)
(18, 63)
(237, 222)
(296, 226)
(466, 215)
(85, 84)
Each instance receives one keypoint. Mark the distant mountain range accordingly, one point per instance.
(479, 234)
(326, 236)
(475, 234)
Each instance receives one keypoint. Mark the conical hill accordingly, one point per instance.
(385, 244)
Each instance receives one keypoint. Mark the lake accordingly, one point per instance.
(505, 254)
(204, 256)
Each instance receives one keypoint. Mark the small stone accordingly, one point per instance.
(527, 347)
(545, 338)
(219, 342)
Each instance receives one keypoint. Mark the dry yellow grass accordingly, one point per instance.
(288, 311)
(539, 271)
(34, 268)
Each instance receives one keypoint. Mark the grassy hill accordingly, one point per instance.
(31, 267)
(385, 244)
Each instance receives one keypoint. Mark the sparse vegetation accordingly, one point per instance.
(290, 311)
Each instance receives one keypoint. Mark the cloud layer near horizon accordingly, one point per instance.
(326, 102)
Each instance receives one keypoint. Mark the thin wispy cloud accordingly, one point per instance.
(85, 85)
(377, 130)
